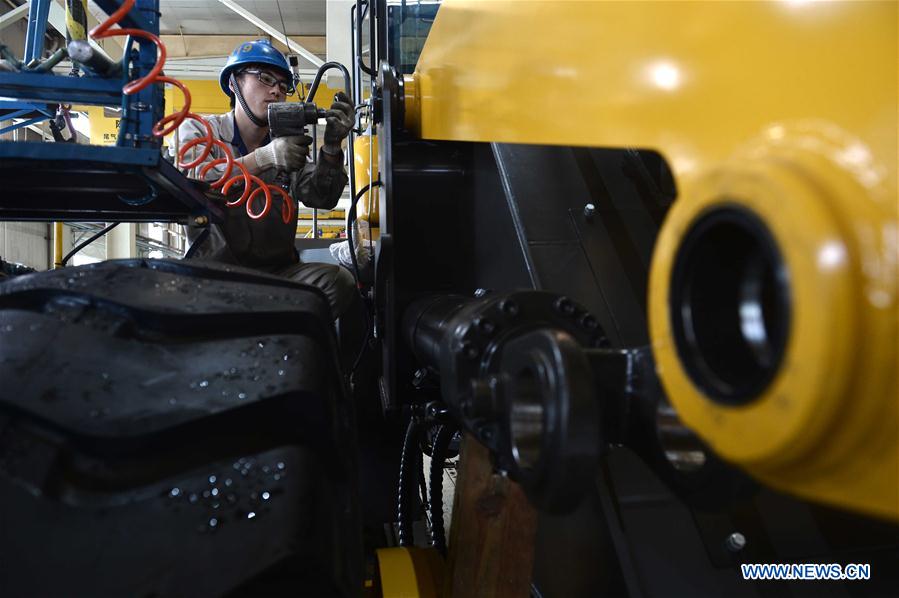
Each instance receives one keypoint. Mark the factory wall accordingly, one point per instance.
(26, 243)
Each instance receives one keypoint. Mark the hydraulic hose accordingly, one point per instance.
(348, 90)
(440, 447)
(351, 219)
(87, 242)
(410, 466)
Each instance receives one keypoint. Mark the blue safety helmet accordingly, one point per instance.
(256, 52)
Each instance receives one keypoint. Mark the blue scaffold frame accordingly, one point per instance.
(137, 150)
(38, 13)
(37, 112)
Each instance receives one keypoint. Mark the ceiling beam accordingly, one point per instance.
(14, 15)
(201, 68)
(201, 46)
(276, 35)
(57, 20)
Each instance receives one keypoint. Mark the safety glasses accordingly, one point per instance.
(270, 80)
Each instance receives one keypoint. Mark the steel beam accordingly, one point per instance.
(27, 106)
(52, 88)
(276, 35)
(14, 15)
(16, 114)
(37, 27)
(24, 123)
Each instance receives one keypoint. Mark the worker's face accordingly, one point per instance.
(256, 91)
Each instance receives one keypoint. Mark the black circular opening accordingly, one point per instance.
(730, 305)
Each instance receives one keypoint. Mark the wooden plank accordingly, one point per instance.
(491, 544)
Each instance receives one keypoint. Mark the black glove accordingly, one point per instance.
(340, 119)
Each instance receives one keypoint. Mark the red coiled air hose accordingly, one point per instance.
(171, 122)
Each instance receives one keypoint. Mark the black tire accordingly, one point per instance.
(171, 428)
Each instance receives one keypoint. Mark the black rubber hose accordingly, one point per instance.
(348, 90)
(422, 484)
(84, 244)
(439, 449)
(407, 491)
(351, 219)
(198, 242)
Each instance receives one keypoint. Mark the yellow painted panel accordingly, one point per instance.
(104, 125)
(365, 153)
(689, 79)
(787, 109)
(410, 572)
(324, 95)
(206, 97)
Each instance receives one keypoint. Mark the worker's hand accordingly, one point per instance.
(284, 153)
(340, 119)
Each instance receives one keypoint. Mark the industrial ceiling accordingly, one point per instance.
(211, 17)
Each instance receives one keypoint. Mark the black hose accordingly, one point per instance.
(360, 16)
(439, 448)
(198, 242)
(348, 89)
(422, 485)
(347, 82)
(374, 55)
(351, 219)
(407, 490)
(84, 244)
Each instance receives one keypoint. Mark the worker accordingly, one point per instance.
(255, 75)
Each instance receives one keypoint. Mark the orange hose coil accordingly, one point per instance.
(171, 122)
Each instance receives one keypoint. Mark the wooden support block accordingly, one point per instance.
(491, 545)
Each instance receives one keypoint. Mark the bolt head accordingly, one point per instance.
(589, 210)
(201, 220)
(735, 542)
(509, 307)
(419, 377)
(485, 325)
(565, 305)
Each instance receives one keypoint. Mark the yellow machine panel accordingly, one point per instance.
(498, 71)
(791, 123)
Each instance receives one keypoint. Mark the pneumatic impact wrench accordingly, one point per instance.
(287, 119)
